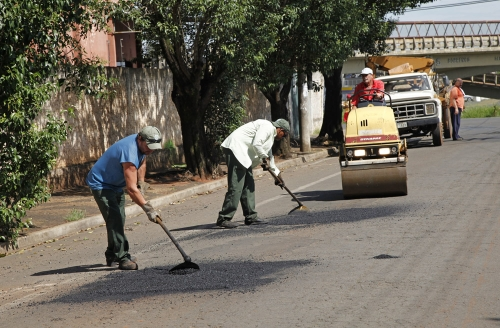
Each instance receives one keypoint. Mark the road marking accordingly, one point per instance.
(298, 189)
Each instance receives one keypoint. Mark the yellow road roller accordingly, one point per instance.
(373, 158)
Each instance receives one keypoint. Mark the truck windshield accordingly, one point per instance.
(404, 84)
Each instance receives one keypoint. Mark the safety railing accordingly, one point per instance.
(489, 79)
(430, 35)
(443, 42)
(445, 28)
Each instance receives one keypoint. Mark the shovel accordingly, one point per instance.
(187, 266)
(301, 206)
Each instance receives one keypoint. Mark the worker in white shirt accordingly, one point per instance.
(247, 147)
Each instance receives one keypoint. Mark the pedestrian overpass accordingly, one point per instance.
(466, 49)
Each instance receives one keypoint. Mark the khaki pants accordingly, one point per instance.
(240, 188)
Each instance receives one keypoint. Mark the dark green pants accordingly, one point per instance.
(112, 207)
(240, 188)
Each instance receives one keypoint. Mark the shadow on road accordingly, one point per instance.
(319, 196)
(76, 269)
(198, 227)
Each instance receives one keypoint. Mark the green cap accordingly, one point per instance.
(282, 123)
(152, 136)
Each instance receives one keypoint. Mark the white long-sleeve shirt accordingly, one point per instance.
(252, 142)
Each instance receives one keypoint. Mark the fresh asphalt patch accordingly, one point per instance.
(215, 276)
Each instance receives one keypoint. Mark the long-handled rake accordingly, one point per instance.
(301, 206)
(187, 266)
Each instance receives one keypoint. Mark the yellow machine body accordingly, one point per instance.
(373, 159)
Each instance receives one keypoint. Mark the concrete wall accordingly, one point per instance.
(142, 98)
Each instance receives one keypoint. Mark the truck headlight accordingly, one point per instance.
(359, 153)
(429, 109)
(384, 151)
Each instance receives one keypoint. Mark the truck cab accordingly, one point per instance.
(416, 105)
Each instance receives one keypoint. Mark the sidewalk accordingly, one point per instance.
(50, 219)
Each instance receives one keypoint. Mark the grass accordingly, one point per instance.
(75, 215)
(485, 108)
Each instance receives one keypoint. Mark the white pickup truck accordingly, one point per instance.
(416, 106)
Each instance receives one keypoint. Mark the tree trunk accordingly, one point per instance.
(193, 87)
(278, 98)
(304, 113)
(191, 112)
(332, 119)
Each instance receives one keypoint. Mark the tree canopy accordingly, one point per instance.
(373, 26)
(319, 35)
(203, 42)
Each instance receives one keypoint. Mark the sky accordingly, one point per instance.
(452, 10)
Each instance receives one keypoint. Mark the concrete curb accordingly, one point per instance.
(131, 210)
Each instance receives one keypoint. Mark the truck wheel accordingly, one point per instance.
(437, 135)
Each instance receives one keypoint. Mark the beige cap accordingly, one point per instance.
(152, 136)
(282, 123)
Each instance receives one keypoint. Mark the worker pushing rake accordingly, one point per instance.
(123, 165)
(244, 149)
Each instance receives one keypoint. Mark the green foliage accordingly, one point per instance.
(316, 36)
(224, 115)
(203, 41)
(40, 52)
(263, 41)
(75, 215)
(27, 155)
(169, 145)
(481, 111)
(219, 35)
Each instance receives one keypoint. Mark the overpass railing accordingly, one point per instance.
(445, 28)
(489, 79)
(431, 35)
(450, 42)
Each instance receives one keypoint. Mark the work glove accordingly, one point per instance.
(279, 181)
(143, 186)
(264, 165)
(150, 212)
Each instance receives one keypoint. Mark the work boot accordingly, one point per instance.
(110, 258)
(255, 221)
(227, 224)
(126, 264)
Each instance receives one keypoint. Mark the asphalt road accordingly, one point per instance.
(429, 259)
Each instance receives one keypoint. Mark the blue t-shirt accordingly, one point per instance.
(107, 172)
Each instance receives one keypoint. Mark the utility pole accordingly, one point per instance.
(304, 113)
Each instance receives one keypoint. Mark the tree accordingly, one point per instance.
(224, 114)
(40, 51)
(373, 27)
(319, 35)
(203, 42)
(313, 36)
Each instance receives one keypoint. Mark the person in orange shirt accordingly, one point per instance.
(364, 92)
(457, 106)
